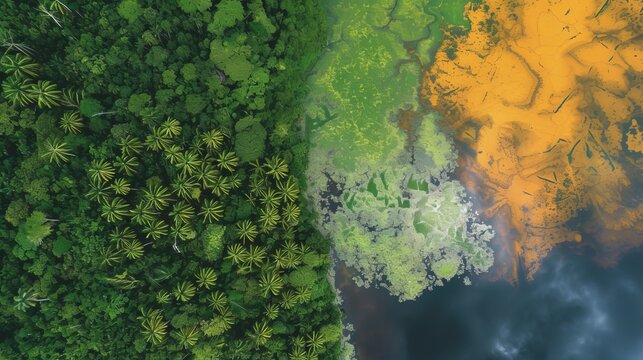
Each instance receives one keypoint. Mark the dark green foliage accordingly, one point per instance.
(130, 9)
(16, 212)
(61, 246)
(228, 13)
(137, 102)
(232, 59)
(190, 6)
(250, 143)
(89, 107)
(194, 104)
(146, 128)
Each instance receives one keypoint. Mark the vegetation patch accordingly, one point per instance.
(386, 198)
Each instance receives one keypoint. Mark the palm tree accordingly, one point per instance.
(235, 181)
(109, 255)
(211, 211)
(155, 229)
(218, 301)
(182, 231)
(72, 98)
(7, 42)
(184, 291)
(280, 258)
(154, 326)
(270, 198)
(71, 123)
(157, 195)
(293, 254)
(16, 91)
(237, 253)
(197, 142)
(292, 260)
(268, 218)
(206, 278)
(188, 162)
(27, 299)
(130, 145)
(272, 311)
(161, 273)
(101, 171)
(221, 186)
(48, 13)
(156, 140)
(126, 164)
(271, 283)
(290, 214)
(98, 192)
(291, 247)
(187, 336)
(227, 317)
(119, 235)
(45, 94)
(57, 151)
(261, 332)
(170, 128)
(142, 213)
(227, 160)
(123, 281)
(303, 294)
(257, 182)
(246, 230)
(184, 186)
(213, 139)
(276, 167)
(315, 341)
(206, 174)
(172, 153)
(121, 186)
(133, 249)
(57, 5)
(298, 354)
(19, 65)
(115, 210)
(255, 256)
(289, 189)
(299, 342)
(288, 299)
(182, 212)
(303, 249)
(163, 297)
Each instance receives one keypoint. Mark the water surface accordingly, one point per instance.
(573, 309)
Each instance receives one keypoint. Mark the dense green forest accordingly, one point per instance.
(150, 176)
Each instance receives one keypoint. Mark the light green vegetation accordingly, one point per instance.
(369, 181)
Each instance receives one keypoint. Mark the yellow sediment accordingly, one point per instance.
(547, 98)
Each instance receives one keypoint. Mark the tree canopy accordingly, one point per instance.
(149, 177)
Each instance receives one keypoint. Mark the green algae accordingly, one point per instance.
(387, 219)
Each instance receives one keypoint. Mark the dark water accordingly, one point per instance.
(573, 309)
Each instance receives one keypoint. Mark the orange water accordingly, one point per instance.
(545, 93)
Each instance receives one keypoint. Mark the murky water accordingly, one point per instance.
(573, 309)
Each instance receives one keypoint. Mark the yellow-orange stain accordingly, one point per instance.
(545, 96)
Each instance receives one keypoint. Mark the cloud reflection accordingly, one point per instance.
(574, 309)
